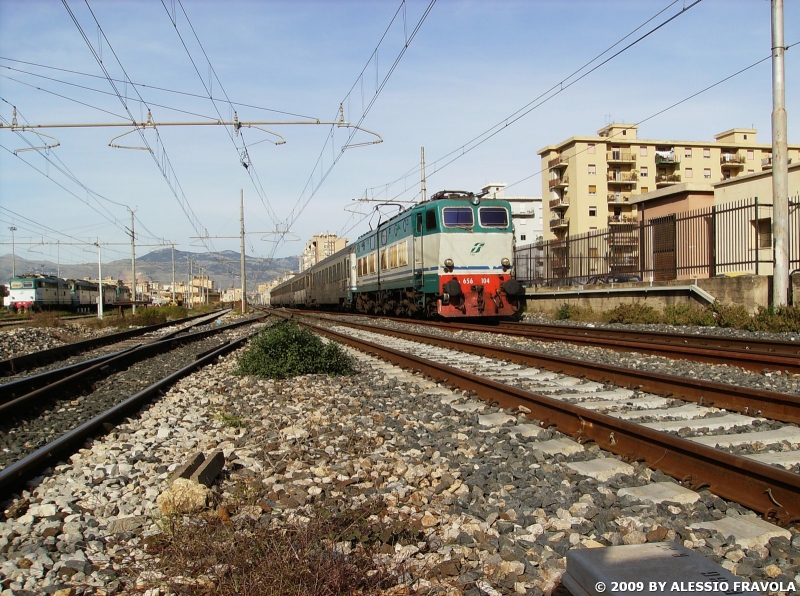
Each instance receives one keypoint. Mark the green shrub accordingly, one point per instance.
(685, 314)
(734, 316)
(572, 312)
(784, 319)
(633, 313)
(288, 350)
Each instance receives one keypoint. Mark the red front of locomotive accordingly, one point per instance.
(479, 295)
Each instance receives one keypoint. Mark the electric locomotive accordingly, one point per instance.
(447, 257)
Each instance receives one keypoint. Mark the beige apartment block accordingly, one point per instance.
(320, 247)
(592, 183)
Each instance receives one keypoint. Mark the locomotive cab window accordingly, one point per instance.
(494, 217)
(458, 217)
(430, 220)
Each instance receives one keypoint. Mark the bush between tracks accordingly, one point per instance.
(287, 350)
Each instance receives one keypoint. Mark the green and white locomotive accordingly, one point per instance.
(447, 257)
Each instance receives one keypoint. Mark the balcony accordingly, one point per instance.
(667, 158)
(559, 223)
(732, 160)
(560, 161)
(624, 242)
(629, 261)
(766, 162)
(618, 198)
(667, 179)
(560, 264)
(621, 220)
(559, 245)
(561, 182)
(621, 156)
(561, 203)
(622, 177)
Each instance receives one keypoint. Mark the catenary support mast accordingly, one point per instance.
(780, 171)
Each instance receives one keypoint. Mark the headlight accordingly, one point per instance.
(449, 263)
(505, 262)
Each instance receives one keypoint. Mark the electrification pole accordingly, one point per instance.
(780, 171)
(100, 296)
(241, 231)
(13, 253)
(133, 262)
(173, 274)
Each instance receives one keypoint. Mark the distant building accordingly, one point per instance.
(526, 213)
(320, 247)
(615, 164)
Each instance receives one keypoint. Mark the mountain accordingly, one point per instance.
(222, 267)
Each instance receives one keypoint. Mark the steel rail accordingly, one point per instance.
(748, 401)
(104, 367)
(748, 353)
(27, 361)
(12, 476)
(767, 489)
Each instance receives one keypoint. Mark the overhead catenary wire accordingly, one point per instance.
(156, 88)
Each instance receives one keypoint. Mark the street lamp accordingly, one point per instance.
(13, 253)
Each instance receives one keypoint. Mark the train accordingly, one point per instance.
(35, 292)
(448, 257)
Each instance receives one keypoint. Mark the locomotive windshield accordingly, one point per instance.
(458, 217)
(494, 217)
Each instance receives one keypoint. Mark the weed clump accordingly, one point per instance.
(288, 350)
(634, 313)
(573, 312)
(332, 553)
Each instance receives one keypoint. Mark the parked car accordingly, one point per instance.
(613, 278)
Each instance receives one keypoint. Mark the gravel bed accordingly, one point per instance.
(22, 436)
(722, 373)
(491, 512)
(543, 319)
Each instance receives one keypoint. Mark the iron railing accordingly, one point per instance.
(730, 238)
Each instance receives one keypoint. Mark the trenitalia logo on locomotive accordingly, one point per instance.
(476, 248)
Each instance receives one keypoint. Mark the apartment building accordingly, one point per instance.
(526, 213)
(593, 183)
(320, 247)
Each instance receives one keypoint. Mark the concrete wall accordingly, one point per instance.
(750, 291)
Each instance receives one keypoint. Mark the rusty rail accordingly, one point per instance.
(758, 486)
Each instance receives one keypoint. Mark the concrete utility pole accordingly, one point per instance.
(133, 262)
(173, 274)
(780, 166)
(13, 253)
(100, 296)
(58, 263)
(191, 285)
(244, 282)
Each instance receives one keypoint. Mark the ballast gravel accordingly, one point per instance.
(496, 513)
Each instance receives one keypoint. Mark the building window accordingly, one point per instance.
(592, 169)
(592, 211)
(590, 148)
(687, 152)
(624, 132)
(763, 230)
(750, 171)
(643, 151)
(643, 172)
(726, 174)
(707, 153)
(522, 237)
(688, 172)
(745, 137)
(592, 189)
(750, 154)
(707, 173)
(644, 190)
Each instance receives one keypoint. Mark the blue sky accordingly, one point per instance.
(471, 65)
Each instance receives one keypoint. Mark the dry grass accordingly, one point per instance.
(330, 551)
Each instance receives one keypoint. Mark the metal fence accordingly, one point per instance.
(724, 239)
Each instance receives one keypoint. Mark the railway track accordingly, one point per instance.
(26, 362)
(46, 415)
(700, 444)
(748, 353)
